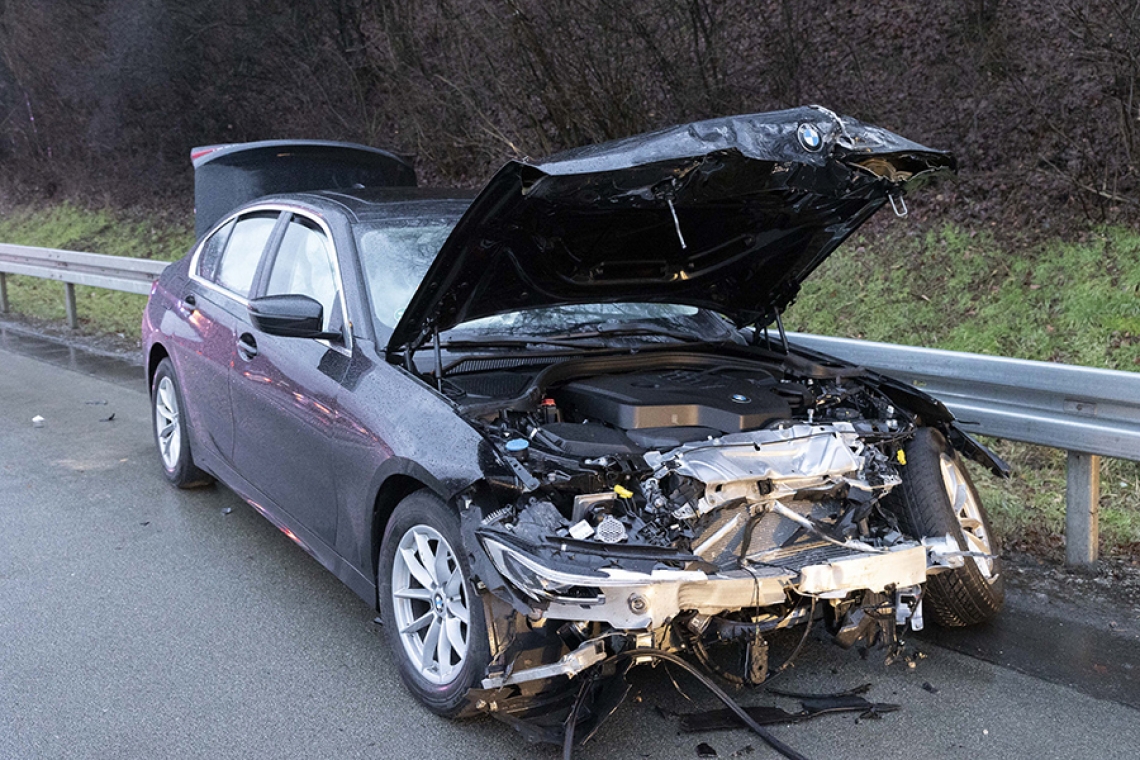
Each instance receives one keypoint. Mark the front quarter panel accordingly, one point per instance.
(392, 424)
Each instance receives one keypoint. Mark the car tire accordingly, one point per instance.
(937, 498)
(427, 601)
(170, 432)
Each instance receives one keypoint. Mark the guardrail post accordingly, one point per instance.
(72, 314)
(3, 293)
(1082, 509)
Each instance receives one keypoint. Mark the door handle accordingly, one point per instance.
(247, 346)
(190, 301)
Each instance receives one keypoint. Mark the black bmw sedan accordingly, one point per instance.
(555, 429)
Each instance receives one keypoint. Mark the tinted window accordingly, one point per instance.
(212, 251)
(304, 267)
(243, 251)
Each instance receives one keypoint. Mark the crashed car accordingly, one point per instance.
(557, 429)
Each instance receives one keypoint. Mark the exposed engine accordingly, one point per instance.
(723, 463)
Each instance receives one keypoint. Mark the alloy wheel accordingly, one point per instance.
(167, 423)
(969, 514)
(429, 599)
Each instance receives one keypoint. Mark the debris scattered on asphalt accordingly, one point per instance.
(747, 749)
(109, 419)
(862, 689)
(145, 523)
(37, 421)
(704, 750)
(852, 703)
(227, 510)
(813, 707)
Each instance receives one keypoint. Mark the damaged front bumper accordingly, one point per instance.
(630, 600)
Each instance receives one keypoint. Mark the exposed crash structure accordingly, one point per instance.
(772, 500)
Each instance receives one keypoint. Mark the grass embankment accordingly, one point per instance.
(135, 234)
(1077, 303)
(1070, 302)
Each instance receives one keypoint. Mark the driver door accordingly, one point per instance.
(284, 389)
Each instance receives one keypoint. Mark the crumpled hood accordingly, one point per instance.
(729, 214)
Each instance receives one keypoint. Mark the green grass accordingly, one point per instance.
(950, 288)
(1077, 303)
(135, 234)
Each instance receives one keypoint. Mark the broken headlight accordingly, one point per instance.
(541, 583)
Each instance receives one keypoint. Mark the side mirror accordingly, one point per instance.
(289, 316)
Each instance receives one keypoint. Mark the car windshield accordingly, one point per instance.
(396, 255)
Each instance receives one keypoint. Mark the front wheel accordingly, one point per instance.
(937, 498)
(433, 619)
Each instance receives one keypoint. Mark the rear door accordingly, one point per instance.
(284, 389)
(221, 279)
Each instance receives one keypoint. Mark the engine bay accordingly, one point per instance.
(720, 462)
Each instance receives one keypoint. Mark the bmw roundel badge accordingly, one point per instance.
(810, 138)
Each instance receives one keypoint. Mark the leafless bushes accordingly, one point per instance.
(107, 96)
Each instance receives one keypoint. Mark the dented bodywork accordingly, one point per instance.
(732, 533)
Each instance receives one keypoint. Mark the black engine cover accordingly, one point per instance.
(727, 401)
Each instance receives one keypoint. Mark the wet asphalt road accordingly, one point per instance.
(137, 621)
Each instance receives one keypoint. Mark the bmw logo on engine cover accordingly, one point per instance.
(740, 398)
(810, 138)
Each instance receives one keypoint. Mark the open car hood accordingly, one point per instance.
(728, 214)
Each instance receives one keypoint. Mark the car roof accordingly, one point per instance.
(382, 203)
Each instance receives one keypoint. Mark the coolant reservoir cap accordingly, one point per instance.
(515, 445)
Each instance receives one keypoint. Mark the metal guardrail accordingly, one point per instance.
(1087, 412)
(76, 268)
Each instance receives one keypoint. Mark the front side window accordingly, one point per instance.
(304, 266)
(243, 251)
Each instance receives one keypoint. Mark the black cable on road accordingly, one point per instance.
(719, 693)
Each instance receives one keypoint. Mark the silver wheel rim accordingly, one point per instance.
(167, 424)
(969, 514)
(429, 599)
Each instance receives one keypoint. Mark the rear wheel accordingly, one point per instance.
(937, 498)
(433, 619)
(170, 432)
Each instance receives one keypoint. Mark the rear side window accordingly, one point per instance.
(304, 266)
(212, 249)
(243, 251)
